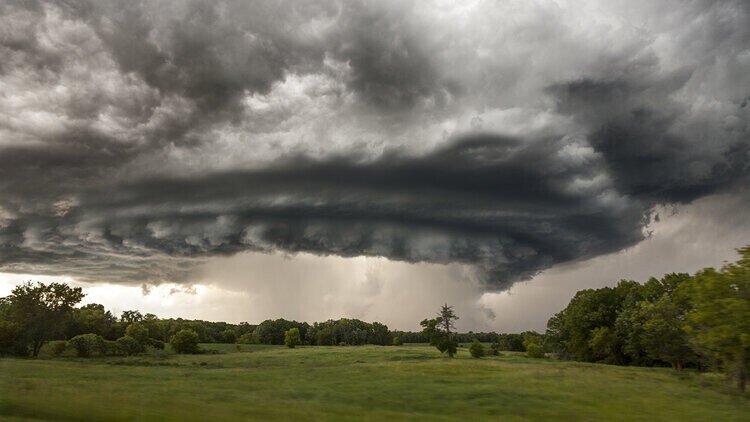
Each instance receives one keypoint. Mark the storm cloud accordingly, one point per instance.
(139, 139)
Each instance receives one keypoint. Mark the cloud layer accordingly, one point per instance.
(138, 139)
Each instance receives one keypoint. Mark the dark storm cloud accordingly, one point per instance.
(677, 134)
(477, 201)
(138, 138)
(392, 62)
(647, 151)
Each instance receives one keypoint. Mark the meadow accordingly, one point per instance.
(411, 382)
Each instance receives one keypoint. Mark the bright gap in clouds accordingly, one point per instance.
(253, 287)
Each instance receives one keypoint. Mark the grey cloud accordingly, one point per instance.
(477, 201)
(124, 154)
(673, 131)
(647, 144)
(393, 62)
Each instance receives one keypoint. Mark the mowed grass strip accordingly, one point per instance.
(351, 383)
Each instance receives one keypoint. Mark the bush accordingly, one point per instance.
(156, 344)
(246, 338)
(111, 349)
(397, 341)
(292, 338)
(57, 348)
(185, 342)
(86, 345)
(534, 350)
(476, 349)
(127, 345)
(495, 349)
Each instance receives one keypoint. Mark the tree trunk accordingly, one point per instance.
(741, 377)
(36, 348)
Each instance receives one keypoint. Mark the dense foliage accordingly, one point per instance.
(185, 341)
(678, 320)
(292, 338)
(86, 345)
(34, 314)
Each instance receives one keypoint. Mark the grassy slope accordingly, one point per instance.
(355, 383)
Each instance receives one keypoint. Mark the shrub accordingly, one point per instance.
(397, 341)
(246, 338)
(495, 349)
(128, 345)
(476, 349)
(534, 350)
(185, 342)
(86, 345)
(156, 344)
(111, 349)
(292, 338)
(57, 348)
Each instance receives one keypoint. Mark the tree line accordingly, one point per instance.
(701, 321)
(36, 313)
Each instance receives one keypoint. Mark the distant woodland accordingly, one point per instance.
(699, 321)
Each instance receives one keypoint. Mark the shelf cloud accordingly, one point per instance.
(139, 139)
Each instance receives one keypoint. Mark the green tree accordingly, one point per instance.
(396, 341)
(438, 330)
(41, 311)
(379, 334)
(631, 319)
(138, 331)
(130, 317)
(292, 338)
(92, 318)
(476, 349)
(586, 329)
(185, 342)
(11, 335)
(603, 343)
(720, 317)
(662, 333)
(228, 336)
(157, 329)
(272, 331)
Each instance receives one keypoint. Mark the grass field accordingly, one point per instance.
(353, 383)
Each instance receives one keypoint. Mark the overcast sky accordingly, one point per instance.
(248, 160)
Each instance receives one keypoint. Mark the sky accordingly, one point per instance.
(240, 160)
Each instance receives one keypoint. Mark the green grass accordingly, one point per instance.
(352, 383)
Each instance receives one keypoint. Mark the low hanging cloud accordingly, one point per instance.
(477, 201)
(137, 140)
